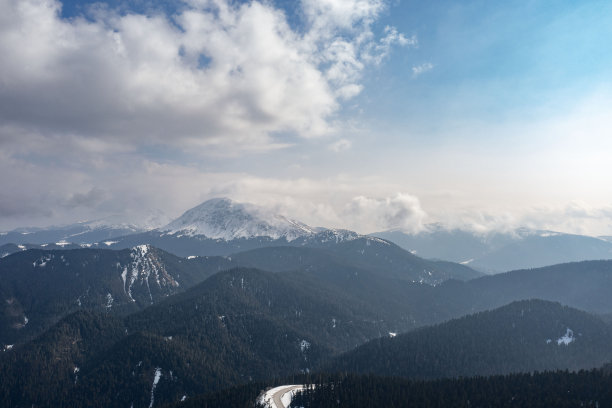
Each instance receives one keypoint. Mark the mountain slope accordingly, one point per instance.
(521, 337)
(385, 259)
(37, 371)
(585, 285)
(245, 324)
(222, 218)
(538, 390)
(39, 287)
(236, 326)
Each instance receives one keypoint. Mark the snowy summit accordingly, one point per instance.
(222, 218)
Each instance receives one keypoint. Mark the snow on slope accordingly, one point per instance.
(145, 269)
(222, 218)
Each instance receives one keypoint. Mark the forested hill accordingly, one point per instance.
(237, 326)
(38, 287)
(521, 337)
(584, 285)
(540, 390)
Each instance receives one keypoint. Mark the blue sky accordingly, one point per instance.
(478, 114)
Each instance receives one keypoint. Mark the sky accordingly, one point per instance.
(360, 114)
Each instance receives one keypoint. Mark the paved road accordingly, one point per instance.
(278, 395)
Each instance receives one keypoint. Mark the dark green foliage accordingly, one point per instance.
(367, 253)
(44, 369)
(520, 337)
(243, 396)
(548, 389)
(237, 326)
(585, 285)
(457, 271)
(246, 325)
(44, 286)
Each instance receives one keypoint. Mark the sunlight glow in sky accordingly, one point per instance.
(363, 114)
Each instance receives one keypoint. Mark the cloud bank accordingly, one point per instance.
(402, 211)
(217, 72)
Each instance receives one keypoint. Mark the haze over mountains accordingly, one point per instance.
(221, 226)
(494, 252)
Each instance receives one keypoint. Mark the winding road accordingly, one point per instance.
(273, 398)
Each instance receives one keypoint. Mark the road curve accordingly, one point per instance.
(273, 398)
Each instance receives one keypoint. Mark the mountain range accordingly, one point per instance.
(495, 252)
(239, 296)
(221, 226)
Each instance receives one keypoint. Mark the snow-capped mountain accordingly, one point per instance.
(223, 227)
(222, 218)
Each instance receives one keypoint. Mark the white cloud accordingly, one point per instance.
(401, 211)
(139, 78)
(340, 145)
(421, 69)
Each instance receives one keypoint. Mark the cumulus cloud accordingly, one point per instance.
(573, 217)
(217, 72)
(402, 211)
(421, 69)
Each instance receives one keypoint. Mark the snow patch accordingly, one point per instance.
(145, 269)
(143, 249)
(8, 347)
(22, 247)
(379, 240)
(191, 257)
(267, 398)
(42, 262)
(287, 397)
(304, 345)
(109, 301)
(567, 338)
(62, 243)
(222, 218)
(335, 235)
(109, 243)
(392, 334)
(158, 374)
(469, 261)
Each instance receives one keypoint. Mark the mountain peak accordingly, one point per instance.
(223, 218)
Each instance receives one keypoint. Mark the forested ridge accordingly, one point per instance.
(541, 389)
(221, 335)
(524, 336)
